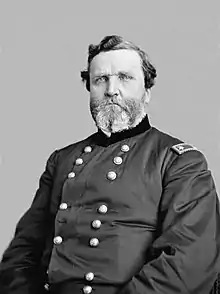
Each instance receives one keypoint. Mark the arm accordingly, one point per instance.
(21, 259)
(185, 255)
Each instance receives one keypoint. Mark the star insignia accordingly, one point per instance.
(183, 147)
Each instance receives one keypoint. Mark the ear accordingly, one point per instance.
(147, 95)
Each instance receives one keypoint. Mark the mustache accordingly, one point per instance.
(114, 101)
(97, 105)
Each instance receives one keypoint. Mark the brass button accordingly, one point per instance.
(79, 161)
(88, 149)
(103, 209)
(87, 289)
(58, 240)
(89, 276)
(96, 224)
(71, 175)
(47, 287)
(63, 206)
(125, 148)
(94, 242)
(117, 160)
(112, 175)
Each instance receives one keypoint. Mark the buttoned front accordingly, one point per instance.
(102, 202)
(114, 202)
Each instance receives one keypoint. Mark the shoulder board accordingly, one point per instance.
(183, 147)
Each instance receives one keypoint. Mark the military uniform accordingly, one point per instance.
(131, 214)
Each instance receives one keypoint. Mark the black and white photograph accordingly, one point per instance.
(109, 147)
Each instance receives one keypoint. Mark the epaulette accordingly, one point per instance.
(183, 147)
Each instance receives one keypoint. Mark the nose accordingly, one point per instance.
(112, 87)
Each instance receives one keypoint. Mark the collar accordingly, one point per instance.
(103, 140)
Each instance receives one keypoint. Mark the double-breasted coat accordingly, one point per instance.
(131, 214)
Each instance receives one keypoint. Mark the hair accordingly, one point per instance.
(114, 42)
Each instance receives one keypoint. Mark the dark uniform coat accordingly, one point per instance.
(134, 213)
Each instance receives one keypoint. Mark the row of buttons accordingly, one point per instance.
(96, 224)
(111, 175)
(117, 159)
(79, 161)
(102, 208)
(86, 289)
(94, 242)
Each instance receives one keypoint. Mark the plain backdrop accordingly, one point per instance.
(44, 105)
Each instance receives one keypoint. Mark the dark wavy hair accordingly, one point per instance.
(115, 42)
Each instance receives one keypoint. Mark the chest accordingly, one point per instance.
(125, 177)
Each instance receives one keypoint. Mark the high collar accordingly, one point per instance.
(103, 140)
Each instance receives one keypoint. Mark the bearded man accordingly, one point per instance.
(128, 210)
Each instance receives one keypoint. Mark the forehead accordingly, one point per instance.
(116, 60)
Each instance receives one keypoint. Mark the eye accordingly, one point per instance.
(101, 79)
(124, 77)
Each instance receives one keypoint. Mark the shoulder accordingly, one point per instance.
(160, 141)
(173, 144)
(164, 139)
(177, 152)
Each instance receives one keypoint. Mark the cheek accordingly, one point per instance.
(133, 90)
(97, 92)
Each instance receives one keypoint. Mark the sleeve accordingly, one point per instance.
(185, 255)
(21, 259)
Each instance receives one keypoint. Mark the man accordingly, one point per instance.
(128, 210)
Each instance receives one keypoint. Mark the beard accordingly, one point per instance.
(115, 115)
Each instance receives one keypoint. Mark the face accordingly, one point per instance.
(118, 97)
